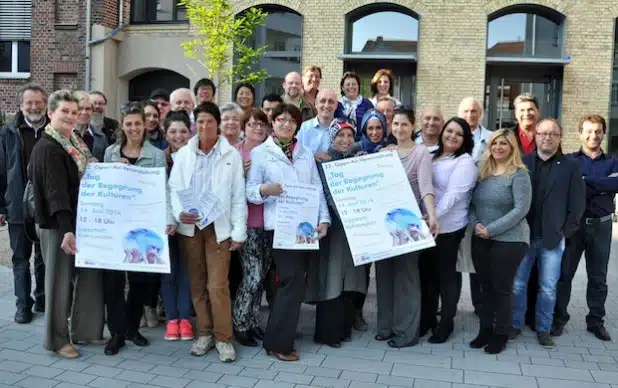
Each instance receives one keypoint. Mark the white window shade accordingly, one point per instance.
(15, 20)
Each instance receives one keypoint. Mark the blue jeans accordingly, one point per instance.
(549, 263)
(175, 285)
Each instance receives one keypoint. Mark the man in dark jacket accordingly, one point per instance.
(558, 200)
(17, 140)
(107, 125)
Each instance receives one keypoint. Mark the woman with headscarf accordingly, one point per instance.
(352, 105)
(373, 131)
(333, 280)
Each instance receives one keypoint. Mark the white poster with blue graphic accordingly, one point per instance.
(297, 217)
(378, 209)
(121, 219)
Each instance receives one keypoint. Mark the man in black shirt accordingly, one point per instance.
(558, 197)
(17, 140)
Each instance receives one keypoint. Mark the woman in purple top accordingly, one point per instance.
(352, 105)
(454, 178)
(256, 253)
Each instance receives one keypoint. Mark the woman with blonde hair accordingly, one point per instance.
(382, 85)
(497, 213)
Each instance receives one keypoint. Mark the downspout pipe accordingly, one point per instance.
(88, 33)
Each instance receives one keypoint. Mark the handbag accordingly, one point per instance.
(28, 213)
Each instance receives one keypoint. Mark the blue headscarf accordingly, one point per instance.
(366, 144)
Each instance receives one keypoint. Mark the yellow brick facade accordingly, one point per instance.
(452, 47)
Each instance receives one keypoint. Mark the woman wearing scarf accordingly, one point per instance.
(374, 137)
(352, 106)
(278, 161)
(58, 161)
(333, 280)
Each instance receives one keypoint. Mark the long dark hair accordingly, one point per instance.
(468, 140)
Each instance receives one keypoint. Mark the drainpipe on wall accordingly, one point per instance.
(88, 30)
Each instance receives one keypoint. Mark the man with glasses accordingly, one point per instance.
(558, 198)
(17, 140)
(99, 121)
(594, 237)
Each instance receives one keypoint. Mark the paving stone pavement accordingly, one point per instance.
(578, 361)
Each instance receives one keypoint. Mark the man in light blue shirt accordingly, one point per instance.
(313, 133)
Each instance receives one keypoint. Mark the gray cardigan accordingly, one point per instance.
(500, 204)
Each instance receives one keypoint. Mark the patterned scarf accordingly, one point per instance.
(287, 146)
(74, 146)
(349, 109)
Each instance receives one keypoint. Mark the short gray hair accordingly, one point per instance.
(59, 96)
(231, 106)
(30, 88)
(181, 90)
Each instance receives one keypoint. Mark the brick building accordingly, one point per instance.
(564, 51)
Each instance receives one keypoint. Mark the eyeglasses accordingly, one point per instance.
(285, 120)
(551, 135)
(256, 124)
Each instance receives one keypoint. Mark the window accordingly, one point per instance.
(383, 32)
(15, 33)
(14, 59)
(282, 34)
(531, 34)
(157, 11)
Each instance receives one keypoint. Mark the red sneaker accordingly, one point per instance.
(186, 330)
(172, 331)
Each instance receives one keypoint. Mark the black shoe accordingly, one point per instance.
(513, 334)
(545, 340)
(39, 307)
(396, 344)
(380, 337)
(114, 345)
(336, 345)
(482, 339)
(347, 338)
(138, 339)
(600, 332)
(245, 339)
(425, 327)
(557, 329)
(23, 315)
(441, 333)
(497, 344)
(257, 333)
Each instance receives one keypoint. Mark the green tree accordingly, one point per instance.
(222, 40)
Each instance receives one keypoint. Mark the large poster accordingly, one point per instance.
(297, 217)
(377, 207)
(121, 218)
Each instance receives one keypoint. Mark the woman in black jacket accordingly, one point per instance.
(58, 161)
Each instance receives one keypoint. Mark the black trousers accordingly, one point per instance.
(359, 297)
(283, 318)
(334, 319)
(496, 264)
(595, 240)
(475, 292)
(21, 246)
(124, 315)
(440, 279)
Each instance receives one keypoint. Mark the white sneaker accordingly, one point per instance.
(150, 314)
(202, 345)
(226, 351)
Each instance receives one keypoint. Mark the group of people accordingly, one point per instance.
(508, 206)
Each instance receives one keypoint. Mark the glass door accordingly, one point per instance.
(503, 87)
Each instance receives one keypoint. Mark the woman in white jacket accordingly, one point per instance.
(212, 168)
(278, 161)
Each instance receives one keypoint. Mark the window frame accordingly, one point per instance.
(151, 5)
(367, 10)
(530, 9)
(14, 73)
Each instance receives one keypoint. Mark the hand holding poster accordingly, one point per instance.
(377, 207)
(121, 218)
(297, 217)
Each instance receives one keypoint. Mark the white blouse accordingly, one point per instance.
(454, 180)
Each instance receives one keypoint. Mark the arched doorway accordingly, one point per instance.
(142, 85)
(525, 54)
